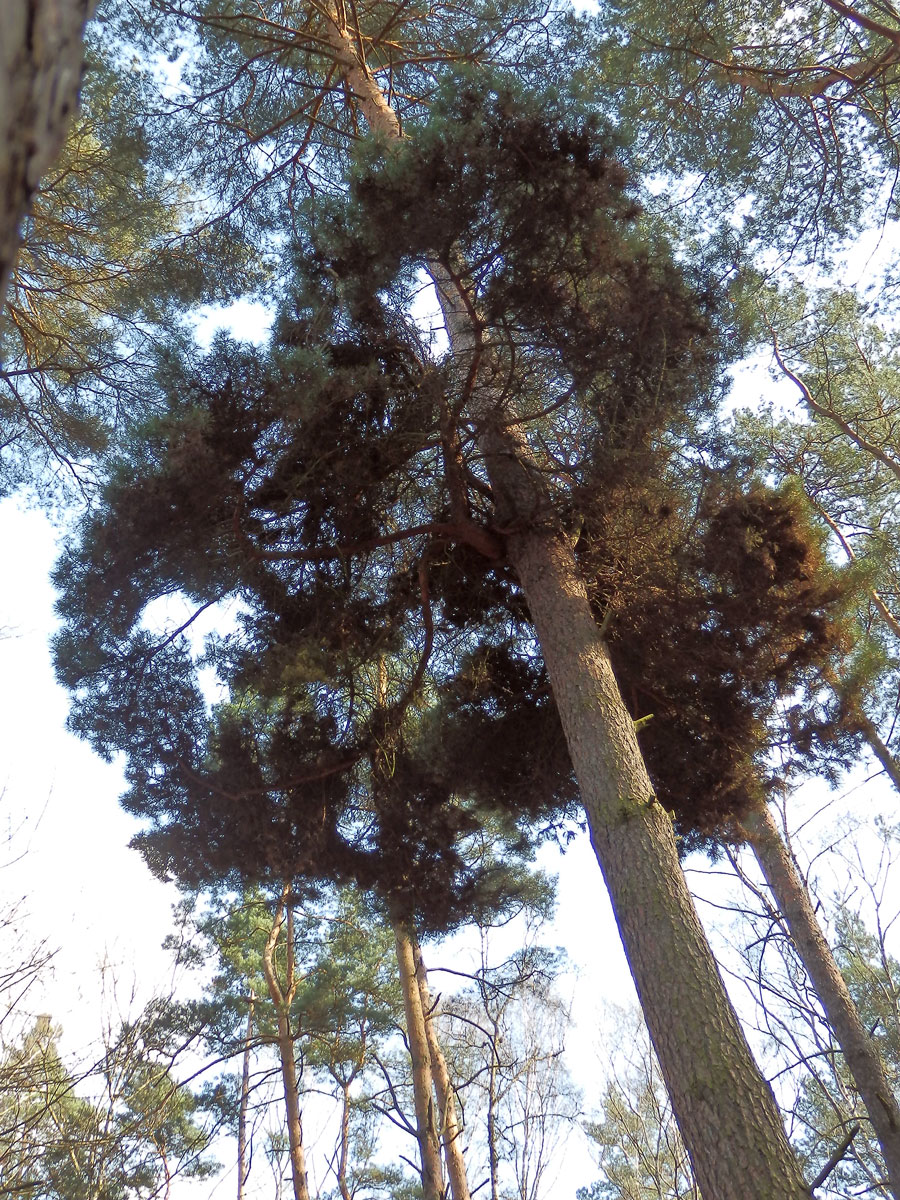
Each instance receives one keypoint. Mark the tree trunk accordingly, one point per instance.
(448, 1123)
(281, 1001)
(423, 1095)
(493, 1154)
(242, 1166)
(41, 52)
(725, 1109)
(862, 1058)
(879, 749)
(344, 1156)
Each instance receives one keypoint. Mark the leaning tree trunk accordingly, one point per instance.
(725, 1109)
(41, 52)
(422, 1081)
(450, 1128)
(862, 1058)
(281, 998)
(869, 731)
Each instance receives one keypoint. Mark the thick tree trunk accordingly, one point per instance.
(861, 1056)
(423, 1093)
(725, 1109)
(281, 998)
(448, 1120)
(242, 1165)
(41, 53)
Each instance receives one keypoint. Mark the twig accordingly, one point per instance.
(839, 1151)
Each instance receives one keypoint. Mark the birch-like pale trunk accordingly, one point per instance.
(242, 1164)
(724, 1107)
(860, 1054)
(281, 997)
(493, 1153)
(420, 1058)
(41, 53)
(448, 1119)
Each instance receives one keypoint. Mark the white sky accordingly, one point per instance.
(92, 899)
(84, 892)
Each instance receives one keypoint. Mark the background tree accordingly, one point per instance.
(116, 249)
(776, 127)
(841, 452)
(827, 1116)
(137, 1129)
(343, 1019)
(507, 1032)
(641, 1155)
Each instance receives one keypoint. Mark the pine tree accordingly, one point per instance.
(140, 1130)
(114, 252)
(525, 198)
(550, 302)
(726, 624)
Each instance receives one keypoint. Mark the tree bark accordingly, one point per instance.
(281, 1000)
(242, 1166)
(879, 749)
(344, 1156)
(862, 1058)
(448, 1123)
(725, 1109)
(423, 1093)
(41, 53)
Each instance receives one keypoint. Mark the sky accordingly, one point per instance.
(65, 857)
(65, 861)
(79, 889)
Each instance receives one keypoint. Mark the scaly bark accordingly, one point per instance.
(448, 1120)
(41, 53)
(725, 1109)
(281, 998)
(862, 1058)
(423, 1084)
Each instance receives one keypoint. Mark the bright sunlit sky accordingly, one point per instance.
(93, 901)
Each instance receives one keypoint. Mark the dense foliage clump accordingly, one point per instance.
(725, 623)
(334, 485)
